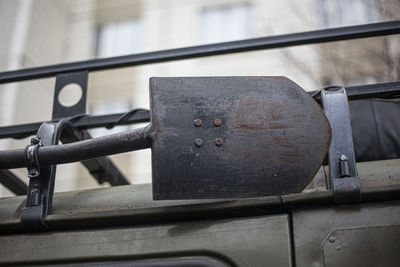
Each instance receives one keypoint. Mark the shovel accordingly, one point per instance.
(216, 137)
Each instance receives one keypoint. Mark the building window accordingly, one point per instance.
(336, 13)
(118, 38)
(225, 23)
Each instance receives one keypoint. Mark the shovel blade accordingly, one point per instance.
(234, 137)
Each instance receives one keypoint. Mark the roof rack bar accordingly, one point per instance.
(379, 90)
(13, 183)
(102, 169)
(25, 130)
(277, 41)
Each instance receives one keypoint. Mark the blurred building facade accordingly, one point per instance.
(44, 32)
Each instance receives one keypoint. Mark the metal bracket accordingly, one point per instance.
(102, 169)
(344, 180)
(42, 178)
(80, 78)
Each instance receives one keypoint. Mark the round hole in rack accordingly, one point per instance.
(70, 95)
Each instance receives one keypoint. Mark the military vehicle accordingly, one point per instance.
(247, 171)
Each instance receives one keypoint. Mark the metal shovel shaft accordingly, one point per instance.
(97, 147)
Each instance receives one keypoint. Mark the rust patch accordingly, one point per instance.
(247, 155)
(128, 136)
(279, 126)
(156, 126)
(283, 142)
(253, 114)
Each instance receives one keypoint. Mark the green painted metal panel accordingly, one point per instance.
(257, 241)
(346, 235)
(363, 246)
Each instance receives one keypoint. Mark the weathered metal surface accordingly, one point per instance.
(312, 229)
(259, 136)
(186, 261)
(258, 241)
(133, 204)
(343, 175)
(363, 246)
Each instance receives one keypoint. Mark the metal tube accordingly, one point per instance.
(98, 147)
(311, 37)
(88, 122)
(13, 183)
(11, 159)
(357, 92)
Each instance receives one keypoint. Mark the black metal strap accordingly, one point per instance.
(42, 178)
(344, 180)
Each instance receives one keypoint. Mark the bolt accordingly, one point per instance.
(197, 122)
(35, 141)
(198, 142)
(217, 122)
(218, 141)
(344, 170)
(332, 238)
(35, 197)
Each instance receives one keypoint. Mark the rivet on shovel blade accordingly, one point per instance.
(217, 122)
(198, 142)
(197, 122)
(218, 141)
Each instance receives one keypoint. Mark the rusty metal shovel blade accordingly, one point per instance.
(234, 137)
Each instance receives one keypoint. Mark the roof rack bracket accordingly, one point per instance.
(41, 178)
(343, 176)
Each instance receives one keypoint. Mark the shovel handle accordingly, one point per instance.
(82, 150)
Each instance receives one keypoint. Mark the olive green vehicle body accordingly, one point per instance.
(123, 226)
